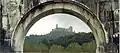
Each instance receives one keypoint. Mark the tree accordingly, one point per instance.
(89, 47)
(43, 47)
(57, 48)
(35, 48)
(74, 47)
(27, 48)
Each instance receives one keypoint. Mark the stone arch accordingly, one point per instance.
(76, 9)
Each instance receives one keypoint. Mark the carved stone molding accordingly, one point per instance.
(12, 5)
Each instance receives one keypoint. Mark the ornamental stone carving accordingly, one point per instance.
(12, 5)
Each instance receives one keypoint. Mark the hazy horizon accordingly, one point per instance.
(46, 24)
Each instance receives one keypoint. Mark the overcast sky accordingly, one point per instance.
(46, 24)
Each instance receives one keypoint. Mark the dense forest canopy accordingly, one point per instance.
(85, 42)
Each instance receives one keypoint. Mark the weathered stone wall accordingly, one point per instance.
(102, 8)
(28, 4)
(11, 11)
(14, 9)
(106, 16)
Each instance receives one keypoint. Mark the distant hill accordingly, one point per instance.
(61, 39)
(60, 36)
(80, 38)
(55, 33)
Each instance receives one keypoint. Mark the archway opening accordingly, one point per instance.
(60, 30)
(72, 8)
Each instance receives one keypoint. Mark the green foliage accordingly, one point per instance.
(89, 47)
(57, 48)
(78, 42)
(74, 47)
(43, 47)
(81, 38)
(27, 48)
(35, 48)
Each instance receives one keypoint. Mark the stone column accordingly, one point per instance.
(13, 10)
(100, 46)
(18, 40)
(100, 49)
(5, 19)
